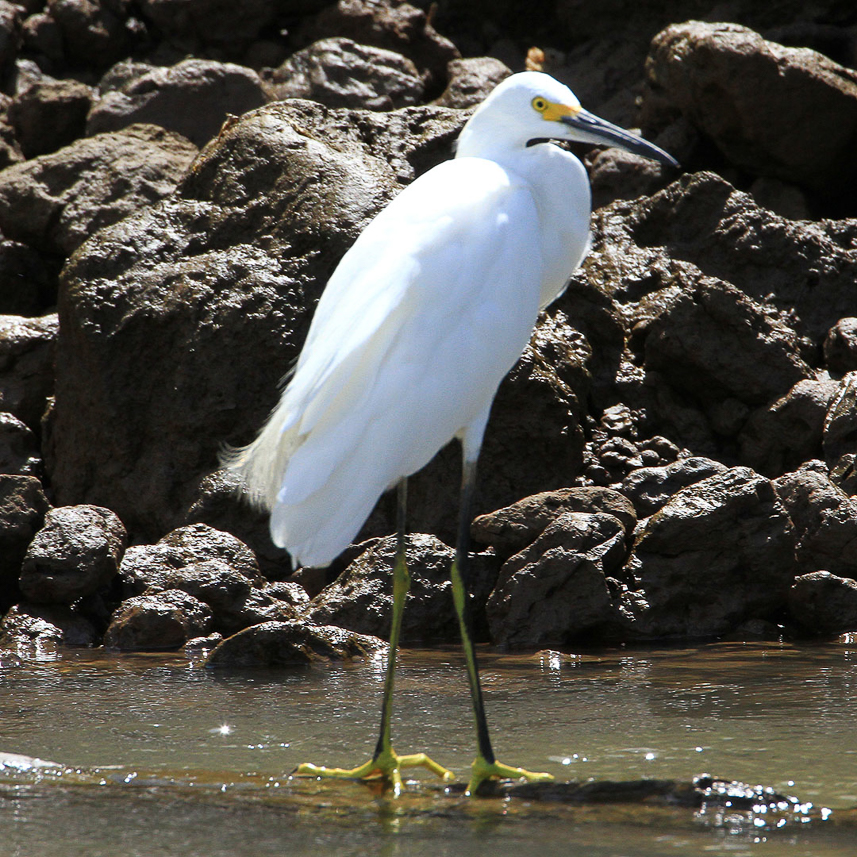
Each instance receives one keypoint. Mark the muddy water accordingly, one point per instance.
(155, 756)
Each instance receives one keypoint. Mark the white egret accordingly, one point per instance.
(420, 322)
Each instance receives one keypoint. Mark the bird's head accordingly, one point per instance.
(535, 106)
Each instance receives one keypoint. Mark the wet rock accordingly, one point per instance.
(50, 114)
(55, 202)
(510, 530)
(824, 604)
(27, 347)
(44, 626)
(290, 592)
(825, 520)
(248, 243)
(471, 81)
(200, 647)
(23, 506)
(28, 280)
(95, 33)
(388, 24)
(840, 347)
(778, 438)
(193, 98)
(209, 22)
(719, 552)
(361, 598)
(166, 620)
(342, 73)
(19, 448)
(291, 644)
(702, 70)
(76, 552)
(649, 488)
(555, 589)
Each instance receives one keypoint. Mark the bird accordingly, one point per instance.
(417, 326)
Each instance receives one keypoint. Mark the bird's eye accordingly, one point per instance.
(539, 104)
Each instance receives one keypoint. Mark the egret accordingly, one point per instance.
(415, 330)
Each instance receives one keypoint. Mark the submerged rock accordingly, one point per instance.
(166, 620)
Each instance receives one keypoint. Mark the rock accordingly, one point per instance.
(391, 25)
(361, 598)
(209, 22)
(247, 242)
(471, 81)
(10, 36)
(510, 530)
(555, 590)
(291, 644)
(617, 174)
(782, 198)
(825, 520)
(95, 33)
(23, 506)
(76, 552)
(55, 202)
(50, 114)
(212, 566)
(778, 438)
(192, 98)
(840, 424)
(720, 552)
(702, 70)
(650, 488)
(840, 347)
(28, 280)
(341, 73)
(19, 448)
(41, 35)
(27, 349)
(824, 604)
(166, 620)
(10, 148)
(42, 627)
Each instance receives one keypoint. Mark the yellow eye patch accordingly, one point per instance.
(551, 110)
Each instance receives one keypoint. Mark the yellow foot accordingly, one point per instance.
(483, 770)
(387, 765)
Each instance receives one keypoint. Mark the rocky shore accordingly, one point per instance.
(672, 458)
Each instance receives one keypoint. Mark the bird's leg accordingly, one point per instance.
(385, 762)
(485, 765)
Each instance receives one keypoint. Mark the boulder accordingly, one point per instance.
(28, 280)
(840, 347)
(192, 98)
(471, 81)
(27, 350)
(555, 590)
(341, 73)
(650, 488)
(796, 121)
(839, 436)
(75, 554)
(209, 22)
(23, 506)
(95, 33)
(37, 629)
(291, 644)
(718, 553)
(824, 604)
(55, 202)
(19, 448)
(165, 620)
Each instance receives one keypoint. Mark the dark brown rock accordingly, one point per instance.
(389, 24)
(510, 530)
(28, 280)
(41, 35)
(23, 506)
(203, 22)
(719, 552)
(291, 644)
(617, 174)
(19, 448)
(95, 33)
(840, 347)
(192, 98)
(27, 347)
(471, 81)
(50, 114)
(824, 604)
(780, 437)
(10, 148)
(76, 552)
(840, 424)
(10, 36)
(555, 589)
(166, 620)
(341, 73)
(825, 520)
(797, 121)
(361, 598)
(55, 202)
(649, 488)
(34, 629)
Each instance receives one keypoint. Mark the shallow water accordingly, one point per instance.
(159, 756)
